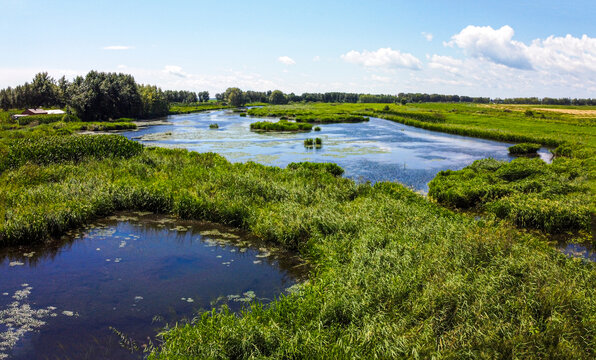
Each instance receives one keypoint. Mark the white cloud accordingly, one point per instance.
(446, 63)
(554, 55)
(383, 79)
(427, 36)
(175, 70)
(286, 60)
(117, 47)
(316, 58)
(567, 54)
(384, 57)
(493, 45)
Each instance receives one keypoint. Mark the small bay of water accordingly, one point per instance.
(377, 150)
(134, 273)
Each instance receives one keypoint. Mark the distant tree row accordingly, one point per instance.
(186, 97)
(101, 96)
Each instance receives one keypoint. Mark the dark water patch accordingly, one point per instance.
(582, 251)
(129, 274)
(377, 150)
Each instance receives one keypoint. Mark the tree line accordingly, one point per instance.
(97, 96)
(103, 96)
(237, 97)
(186, 97)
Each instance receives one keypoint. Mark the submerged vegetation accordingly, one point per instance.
(281, 125)
(394, 275)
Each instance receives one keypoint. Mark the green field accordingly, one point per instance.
(394, 274)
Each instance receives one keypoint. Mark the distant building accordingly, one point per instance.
(39, 112)
(34, 112)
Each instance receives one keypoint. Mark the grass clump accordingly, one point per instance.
(528, 192)
(213, 126)
(282, 125)
(317, 128)
(524, 149)
(57, 149)
(316, 142)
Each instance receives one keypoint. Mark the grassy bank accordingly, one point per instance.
(197, 107)
(394, 274)
(555, 198)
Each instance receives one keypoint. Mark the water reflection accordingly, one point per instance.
(130, 274)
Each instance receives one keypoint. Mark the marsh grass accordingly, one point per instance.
(524, 149)
(394, 274)
(281, 125)
(529, 192)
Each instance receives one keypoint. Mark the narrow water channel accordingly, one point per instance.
(129, 274)
(377, 150)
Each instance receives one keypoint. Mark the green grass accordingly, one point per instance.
(528, 192)
(281, 125)
(394, 275)
(196, 107)
(308, 113)
(571, 135)
(524, 149)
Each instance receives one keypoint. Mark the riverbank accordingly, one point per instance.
(393, 273)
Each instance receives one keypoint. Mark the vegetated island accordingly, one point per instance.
(281, 125)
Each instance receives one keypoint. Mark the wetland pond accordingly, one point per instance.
(131, 274)
(377, 150)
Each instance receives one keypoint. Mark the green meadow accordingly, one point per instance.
(468, 272)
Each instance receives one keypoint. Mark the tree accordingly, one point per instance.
(4, 100)
(204, 96)
(44, 91)
(277, 97)
(155, 103)
(234, 97)
(103, 96)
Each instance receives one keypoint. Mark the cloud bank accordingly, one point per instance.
(384, 57)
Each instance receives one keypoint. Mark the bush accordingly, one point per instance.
(524, 149)
(43, 119)
(330, 168)
(528, 192)
(282, 125)
(57, 149)
(317, 128)
(213, 126)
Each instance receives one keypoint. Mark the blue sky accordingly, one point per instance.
(496, 49)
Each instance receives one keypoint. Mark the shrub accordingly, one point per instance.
(213, 126)
(330, 168)
(282, 125)
(56, 149)
(524, 148)
(528, 192)
(317, 128)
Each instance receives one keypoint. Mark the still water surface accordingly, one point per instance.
(134, 273)
(377, 150)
